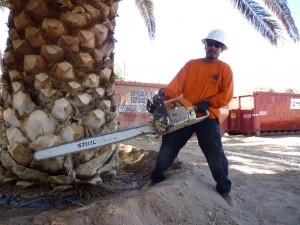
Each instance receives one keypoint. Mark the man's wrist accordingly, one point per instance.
(162, 93)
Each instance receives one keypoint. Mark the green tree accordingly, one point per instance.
(58, 86)
(267, 19)
(266, 16)
(119, 72)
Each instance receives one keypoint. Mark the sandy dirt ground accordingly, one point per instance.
(265, 172)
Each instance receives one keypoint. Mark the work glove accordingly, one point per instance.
(152, 107)
(202, 106)
(161, 94)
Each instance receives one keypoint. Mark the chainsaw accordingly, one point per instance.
(168, 117)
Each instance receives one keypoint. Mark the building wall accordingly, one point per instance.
(132, 100)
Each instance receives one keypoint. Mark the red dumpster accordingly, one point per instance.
(224, 119)
(265, 113)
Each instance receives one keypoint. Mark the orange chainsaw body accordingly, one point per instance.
(180, 110)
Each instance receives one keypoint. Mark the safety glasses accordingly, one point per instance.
(213, 43)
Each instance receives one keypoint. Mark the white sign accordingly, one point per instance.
(135, 101)
(295, 103)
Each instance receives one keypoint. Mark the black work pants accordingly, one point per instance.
(209, 139)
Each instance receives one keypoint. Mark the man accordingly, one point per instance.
(208, 84)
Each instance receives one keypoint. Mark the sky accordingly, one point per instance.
(180, 26)
(3, 28)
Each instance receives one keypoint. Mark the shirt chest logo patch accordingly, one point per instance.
(213, 78)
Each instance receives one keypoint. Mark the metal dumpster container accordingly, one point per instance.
(265, 113)
(224, 121)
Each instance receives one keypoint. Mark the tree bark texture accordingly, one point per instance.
(58, 86)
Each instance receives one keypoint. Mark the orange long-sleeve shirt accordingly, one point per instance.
(197, 81)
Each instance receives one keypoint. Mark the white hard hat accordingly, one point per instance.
(216, 35)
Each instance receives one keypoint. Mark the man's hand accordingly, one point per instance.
(161, 94)
(202, 106)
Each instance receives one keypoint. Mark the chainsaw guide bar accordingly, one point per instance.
(92, 142)
(179, 116)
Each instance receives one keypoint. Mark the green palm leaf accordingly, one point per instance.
(146, 10)
(260, 18)
(282, 11)
(267, 24)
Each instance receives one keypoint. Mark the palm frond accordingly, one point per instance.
(282, 11)
(147, 11)
(260, 18)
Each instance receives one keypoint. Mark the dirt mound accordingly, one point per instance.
(133, 174)
(265, 173)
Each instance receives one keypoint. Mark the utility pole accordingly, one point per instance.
(124, 70)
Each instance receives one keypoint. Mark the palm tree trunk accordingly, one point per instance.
(58, 86)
